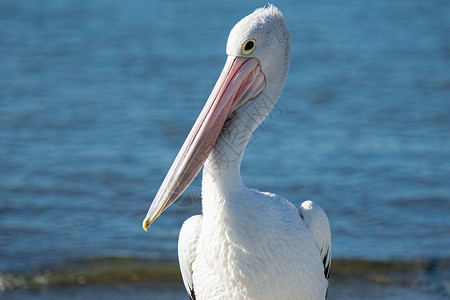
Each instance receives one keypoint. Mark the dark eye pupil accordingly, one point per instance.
(249, 45)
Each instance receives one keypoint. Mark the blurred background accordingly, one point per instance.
(97, 97)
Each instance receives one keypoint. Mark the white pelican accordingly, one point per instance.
(246, 244)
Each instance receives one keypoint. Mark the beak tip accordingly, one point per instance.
(145, 224)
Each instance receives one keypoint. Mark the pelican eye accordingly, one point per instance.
(248, 46)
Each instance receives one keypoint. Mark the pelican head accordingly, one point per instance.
(267, 29)
(258, 50)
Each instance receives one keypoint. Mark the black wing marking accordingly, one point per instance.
(192, 296)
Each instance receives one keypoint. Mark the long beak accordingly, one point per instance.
(241, 80)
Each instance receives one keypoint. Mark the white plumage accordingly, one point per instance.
(246, 244)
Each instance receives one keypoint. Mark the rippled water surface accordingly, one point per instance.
(96, 98)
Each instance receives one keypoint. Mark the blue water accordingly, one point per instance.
(96, 98)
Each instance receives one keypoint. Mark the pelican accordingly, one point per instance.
(246, 244)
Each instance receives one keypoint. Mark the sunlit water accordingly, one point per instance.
(96, 98)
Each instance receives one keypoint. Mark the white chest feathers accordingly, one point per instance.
(255, 248)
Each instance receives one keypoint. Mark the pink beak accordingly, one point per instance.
(241, 80)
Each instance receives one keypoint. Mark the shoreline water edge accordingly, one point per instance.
(117, 277)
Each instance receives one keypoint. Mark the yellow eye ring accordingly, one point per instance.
(248, 46)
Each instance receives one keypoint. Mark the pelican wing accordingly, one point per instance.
(317, 222)
(187, 245)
